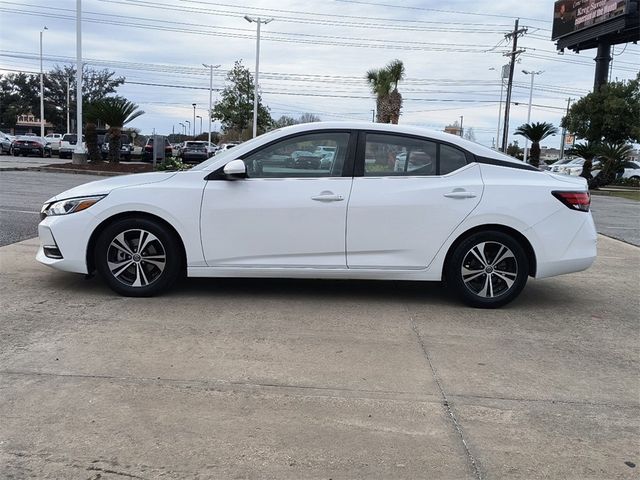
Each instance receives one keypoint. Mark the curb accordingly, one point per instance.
(77, 172)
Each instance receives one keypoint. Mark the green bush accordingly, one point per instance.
(626, 182)
(172, 163)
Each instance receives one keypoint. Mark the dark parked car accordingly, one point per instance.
(125, 147)
(147, 152)
(30, 145)
(195, 152)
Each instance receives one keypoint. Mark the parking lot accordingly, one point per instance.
(318, 379)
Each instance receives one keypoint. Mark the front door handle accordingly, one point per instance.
(460, 193)
(327, 197)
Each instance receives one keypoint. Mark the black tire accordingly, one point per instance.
(481, 286)
(122, 267)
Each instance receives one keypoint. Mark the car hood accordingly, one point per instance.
(102, 187)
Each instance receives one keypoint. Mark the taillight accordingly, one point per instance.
(580, 201)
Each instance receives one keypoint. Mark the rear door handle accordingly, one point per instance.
(327, 197)
(460, 194)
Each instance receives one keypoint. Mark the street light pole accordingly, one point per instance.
(526, 143)
(189, 130)
(503, 74)
(68, 104)
(182, 129)
(79, 155)
(200, 117)
(194, 120)
(41, 87)
(210, 67)
(258, 21)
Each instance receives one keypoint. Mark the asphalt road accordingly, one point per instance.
(22, 194)
(617, 218)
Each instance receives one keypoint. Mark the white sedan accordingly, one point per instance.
(456, 210)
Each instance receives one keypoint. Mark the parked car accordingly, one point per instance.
(5, 142)
(575, 169)
(195, 152)
(631, 170)
(68, 145)
(482, 219)
(54, 141)
(560, 165)
(557, 163)
(126, 148)
(147, 152)
(27, 145)
(226, 146)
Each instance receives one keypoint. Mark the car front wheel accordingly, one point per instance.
(138, 257)
(488, 269)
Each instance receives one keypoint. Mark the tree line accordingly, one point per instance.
(20, 94)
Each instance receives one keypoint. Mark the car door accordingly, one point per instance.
(408, 196)
(290, 211)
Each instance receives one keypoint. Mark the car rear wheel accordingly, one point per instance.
(138, 257)
(488, 269)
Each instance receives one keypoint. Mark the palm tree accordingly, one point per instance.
(396, 73)
(587, 151)
(535, 133)
(90, 131)
(613, 157)
(116, 112)
(380, 82)
(384, 85)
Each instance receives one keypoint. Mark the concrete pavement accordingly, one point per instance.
(312, 379)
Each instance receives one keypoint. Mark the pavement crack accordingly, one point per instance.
(113, 472)
(445, 401)
(248, 386)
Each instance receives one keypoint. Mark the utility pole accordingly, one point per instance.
(514, 53)
(259, 21)
(564, 131)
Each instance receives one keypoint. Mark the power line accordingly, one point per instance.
(441, 11)
(313, 40)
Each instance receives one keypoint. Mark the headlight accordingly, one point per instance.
(70, 205)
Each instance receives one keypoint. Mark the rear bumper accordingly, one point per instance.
(569, 255)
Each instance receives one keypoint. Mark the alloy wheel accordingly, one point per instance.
(136, 258)
(489, 269)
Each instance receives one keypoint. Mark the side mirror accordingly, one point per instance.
(235, 169)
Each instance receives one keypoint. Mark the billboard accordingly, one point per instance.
(570, 16)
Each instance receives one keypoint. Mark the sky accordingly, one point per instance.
(314, 55)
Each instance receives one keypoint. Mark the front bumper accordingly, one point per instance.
(64, 240)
